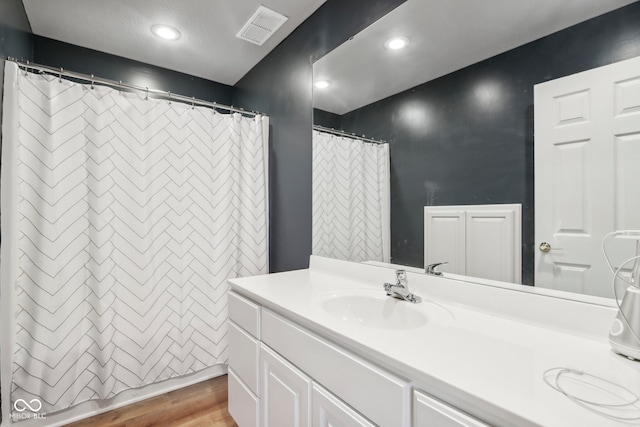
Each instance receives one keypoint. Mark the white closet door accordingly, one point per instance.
(587, 152)
(476, 240)
(445, 239)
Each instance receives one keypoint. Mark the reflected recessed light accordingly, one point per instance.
(322, 84)
(165, 32)
(396, 43)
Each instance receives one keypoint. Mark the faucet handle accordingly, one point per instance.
(431, 268)
(401, 278)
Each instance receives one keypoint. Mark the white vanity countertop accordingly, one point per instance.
(488, 364)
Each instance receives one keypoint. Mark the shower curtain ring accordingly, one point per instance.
(91, 81)
(193, 102)
(60, 75)
(146, 98)
(120, 86)
(169, 97)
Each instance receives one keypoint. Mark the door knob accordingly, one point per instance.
(545, 247)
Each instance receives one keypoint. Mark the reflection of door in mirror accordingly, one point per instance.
(350, 197)
(587, 174)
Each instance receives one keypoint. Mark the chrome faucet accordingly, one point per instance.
(401, 289)
(431, 269)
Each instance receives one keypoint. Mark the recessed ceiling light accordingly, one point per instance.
(322, 84)
(165, 32)
(396, 43)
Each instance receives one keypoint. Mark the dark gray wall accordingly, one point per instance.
(326, 119)
(280, 85)
(15, 37)
(467, 138)
(82, 60)
(15, 43)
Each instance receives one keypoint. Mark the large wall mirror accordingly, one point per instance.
(449, 87)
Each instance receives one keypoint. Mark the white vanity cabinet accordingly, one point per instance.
(276, 370)
(283, 375)
(370, 363)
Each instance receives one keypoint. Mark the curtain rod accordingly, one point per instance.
(348, 135)
(60, 72)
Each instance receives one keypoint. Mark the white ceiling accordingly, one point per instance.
(208, 47)
(445, 36)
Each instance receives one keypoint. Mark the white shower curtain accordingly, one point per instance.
(122, 219)
(350, 198)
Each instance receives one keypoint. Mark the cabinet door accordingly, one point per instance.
(492, 244)
(286, 392)
(444, 239)
(429, 412)
(329, 411)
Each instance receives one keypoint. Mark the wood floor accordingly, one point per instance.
(200, 405)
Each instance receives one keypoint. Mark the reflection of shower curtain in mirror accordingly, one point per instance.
(350, 198)
(123, 218)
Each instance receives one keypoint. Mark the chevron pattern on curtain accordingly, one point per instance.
(350, 198)
(131, 215)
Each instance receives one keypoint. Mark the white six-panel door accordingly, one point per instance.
(587, 174)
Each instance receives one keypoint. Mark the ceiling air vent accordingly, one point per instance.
(262, 25)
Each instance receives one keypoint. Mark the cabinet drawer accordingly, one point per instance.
(244, 406)
(350, 378)
(244, 354)
(428, 412)
(244, 313)
(329, 411)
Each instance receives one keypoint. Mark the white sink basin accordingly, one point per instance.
(374, 309)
